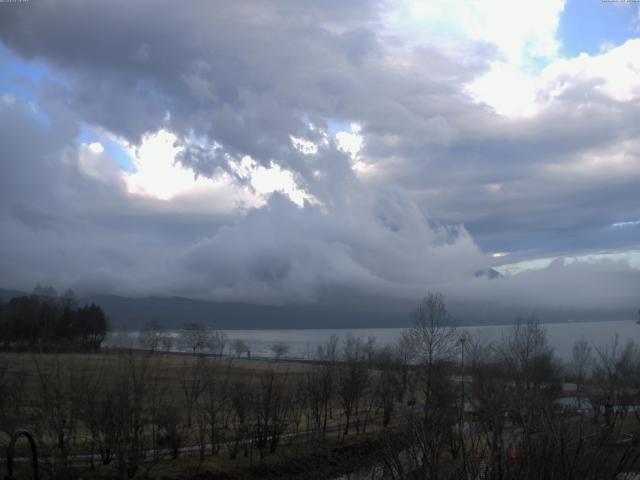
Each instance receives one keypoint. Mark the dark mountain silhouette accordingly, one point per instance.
(490, 273)
(6, 295)
(173, 312)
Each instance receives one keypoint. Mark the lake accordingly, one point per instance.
(303, 343)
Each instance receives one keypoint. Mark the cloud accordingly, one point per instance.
(381, 245)
(84, 229)
(281, 252)
(467, 134)
(597, 286)
(529, 32)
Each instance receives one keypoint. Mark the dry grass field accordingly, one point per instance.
(178, 413)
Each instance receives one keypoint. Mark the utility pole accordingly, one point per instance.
(463, 339)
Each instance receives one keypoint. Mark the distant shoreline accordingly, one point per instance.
(460, 325)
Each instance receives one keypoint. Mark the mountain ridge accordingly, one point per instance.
(171, 312)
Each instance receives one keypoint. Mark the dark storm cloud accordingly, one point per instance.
(232, 71)
(245, 76)
(248, 76)
(375, 246)
(71, 225)
(231, 79)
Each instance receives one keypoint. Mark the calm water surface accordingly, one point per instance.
(561, 336)
(303, 343)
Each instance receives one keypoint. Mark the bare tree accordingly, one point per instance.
(328, 351)
(315, 394)
(327, 354)
(270, 408)
(300, 401)
(526, 354)
(387, 382)
(150, 336)
(195, 337)
(218, 342)
(123, 411)
(192, 381)
(432, 339)
(616, 370)
(279, 349)
(369, 348)
(528, 364)
(403, 354)
(239, 346)
(241, 393)
(12, 398)
(166, 342)
(353, 378)
(523, 433)
(159, 400)
(215, 404)
(172, 434)
(433, 342)
(52, 403)
(580, 359)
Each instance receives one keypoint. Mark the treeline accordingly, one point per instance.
(45, 320)
(132, 410)
(440, 404)
(511, 410)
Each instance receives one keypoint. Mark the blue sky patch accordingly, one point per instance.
(335, 127)
(587, 25)
(17, 76)
(113, 149)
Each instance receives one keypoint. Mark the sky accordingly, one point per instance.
(303, 152)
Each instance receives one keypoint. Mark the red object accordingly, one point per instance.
(513, 453)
